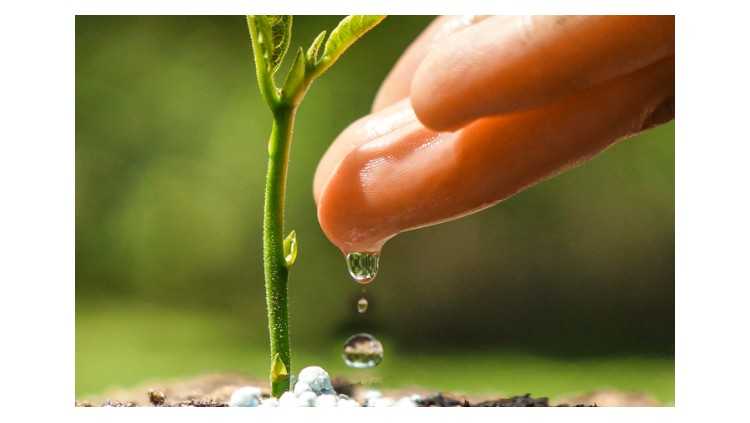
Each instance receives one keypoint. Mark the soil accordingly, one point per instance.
(214, 391)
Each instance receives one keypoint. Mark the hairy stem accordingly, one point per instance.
(274, 264)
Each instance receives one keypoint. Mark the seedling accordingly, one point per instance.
(271, 36)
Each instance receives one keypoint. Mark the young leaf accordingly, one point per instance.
(257, 26)
(312, 52)
(278, 369)
(277, 34)
(290, 248)
(296, 76)
(346, 33)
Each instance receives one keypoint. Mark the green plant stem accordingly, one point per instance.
(270, 40)
(274, 264)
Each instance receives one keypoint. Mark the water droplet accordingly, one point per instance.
(362, 305)
(363, 267)
(363, 351)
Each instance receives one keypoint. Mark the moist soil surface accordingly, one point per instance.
(214, 391)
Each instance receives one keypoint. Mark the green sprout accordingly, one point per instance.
(271, 36)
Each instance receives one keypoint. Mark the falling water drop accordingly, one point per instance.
(362, 305)
(363, 267)
(363, 351)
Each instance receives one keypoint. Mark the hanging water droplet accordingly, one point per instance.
(363, 267)
(362, 305)
(363, 351)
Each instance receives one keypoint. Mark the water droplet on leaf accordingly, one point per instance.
(363, 351)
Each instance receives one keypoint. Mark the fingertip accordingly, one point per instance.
(449, 81)
(397, 85)
(431, 91)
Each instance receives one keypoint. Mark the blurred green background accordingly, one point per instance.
(566, 287)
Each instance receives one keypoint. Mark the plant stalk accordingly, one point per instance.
(270, 40)
(274, 264)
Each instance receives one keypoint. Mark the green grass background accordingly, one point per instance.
(124, 347)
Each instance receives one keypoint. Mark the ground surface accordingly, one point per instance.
(214, 391)
(117, 351)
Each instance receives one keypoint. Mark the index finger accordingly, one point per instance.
(499, 66)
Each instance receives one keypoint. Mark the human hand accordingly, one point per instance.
(477, 109)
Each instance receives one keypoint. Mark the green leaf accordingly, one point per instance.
(348, 31)
(257, 26)
(312, 52)
(278, 369)
(296, 75)
(276, 32)
(290, 248)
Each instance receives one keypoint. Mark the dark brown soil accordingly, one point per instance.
(527, 400)
(517, 401)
